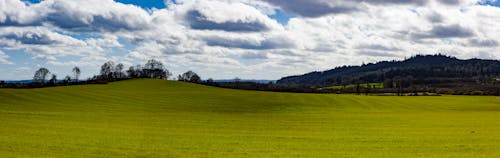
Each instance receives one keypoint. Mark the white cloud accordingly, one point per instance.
(18, 36)
(137, 55)
(229, 38)
(232, 16)
(88, 15)
(15, 12)
(4, 57)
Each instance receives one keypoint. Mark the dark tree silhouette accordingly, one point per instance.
(420, 70)
(107, 70)
(210, 81)
(155, 69)
(53, 80)
(189, 76)
(66, 80)
(138, 70)
(195, 79)
(153, 64)
(358, 89)
(76, 73)
(131, 72)
(119, 71)
(41, 75)
(237, 79)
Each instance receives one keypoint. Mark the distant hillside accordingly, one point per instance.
(19, 81)
(420, 69)
(245, 80)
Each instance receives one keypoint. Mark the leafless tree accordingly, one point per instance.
(41, 75)
(118, 70)
(76, 73)
(155, 69)
(189, 76)
(107, 70)
(131, 72)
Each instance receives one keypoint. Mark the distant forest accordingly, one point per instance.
(418, 75)
(421, 73)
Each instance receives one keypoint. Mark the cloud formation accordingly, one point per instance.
(239, 17)
(35, 36)
(448, 31)
(88, 15)
(3, 58)
(317, 8)
(230, 38)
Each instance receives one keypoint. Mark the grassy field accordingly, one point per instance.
(155, 118)
(353, 86)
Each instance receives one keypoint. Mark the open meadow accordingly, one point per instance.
(157, 118)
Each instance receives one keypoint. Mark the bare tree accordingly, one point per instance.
(41, 75)
(138, 70)
(131, 72)
(107, 70)
(76, 73)
(118, 70)
(189, 76)
(155, 69)
(153, 64)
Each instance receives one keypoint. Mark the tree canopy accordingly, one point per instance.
(41, 74)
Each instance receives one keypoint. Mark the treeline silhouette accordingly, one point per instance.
(418, 75)
(109, 72)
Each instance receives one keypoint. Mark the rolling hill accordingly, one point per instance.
(157, 118)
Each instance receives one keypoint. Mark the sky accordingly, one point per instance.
(250, 39)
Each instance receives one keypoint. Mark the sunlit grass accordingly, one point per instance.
(353, 86)
(155, 118)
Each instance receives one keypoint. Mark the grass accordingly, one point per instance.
(155, 118)
(353, 86)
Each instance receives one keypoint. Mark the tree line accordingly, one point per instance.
(419, 75)
(109, 72)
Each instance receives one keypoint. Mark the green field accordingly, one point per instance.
(156, 118)
(353, 86)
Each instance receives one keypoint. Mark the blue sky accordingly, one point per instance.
(492, 3)
(145, 4)
(280, 16)
(245, 39)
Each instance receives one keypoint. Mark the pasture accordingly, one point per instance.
(157, 118)
(353, 86)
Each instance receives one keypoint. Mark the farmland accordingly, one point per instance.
(157, 118)
(353, 86)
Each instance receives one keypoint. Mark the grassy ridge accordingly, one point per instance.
(155, 118)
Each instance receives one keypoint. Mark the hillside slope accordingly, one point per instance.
(421, 69)
(156, 118)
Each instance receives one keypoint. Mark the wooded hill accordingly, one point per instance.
(435, 71)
